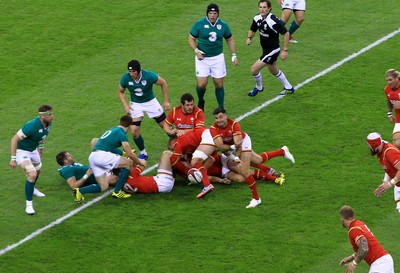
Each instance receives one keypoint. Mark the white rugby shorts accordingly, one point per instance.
(165, 180)
(294, 4)
(23, 155)
(101, 162)
(152, 108)
(211, 66)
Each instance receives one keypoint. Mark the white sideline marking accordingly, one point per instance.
(322, 73)
(255, 110)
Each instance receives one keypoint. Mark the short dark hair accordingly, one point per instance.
(45, 108)
(219, 110)
(266, 1)
(60, 157)
(134, 65)
(186, 97)
(347, 212)
(212, 7)
(125, 120)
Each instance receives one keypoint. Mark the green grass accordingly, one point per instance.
(72, 55)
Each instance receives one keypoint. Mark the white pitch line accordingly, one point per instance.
(255, 110)
(322, 73)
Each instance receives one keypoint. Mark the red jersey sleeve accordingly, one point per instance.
(199, 117)
(170, 118)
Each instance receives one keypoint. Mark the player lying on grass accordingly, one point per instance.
(225, 170)
(76, 174)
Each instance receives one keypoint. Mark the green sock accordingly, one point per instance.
(94, 188)
(139, 141)
(200, 94)
(29, 187)
(123, 175)
(220, 94)
(293, 27)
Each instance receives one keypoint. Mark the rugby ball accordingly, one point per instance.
(194, 176)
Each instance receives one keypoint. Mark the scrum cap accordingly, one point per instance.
(134, 65)
(374, 140)
(212, 7)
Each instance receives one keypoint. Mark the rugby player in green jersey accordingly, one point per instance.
(27, 150)
(103, 159)
(210, 32)
(140, 83)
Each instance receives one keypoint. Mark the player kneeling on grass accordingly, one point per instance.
(104, 159)
(163, 182)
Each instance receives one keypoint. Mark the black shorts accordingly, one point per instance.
(270, 56)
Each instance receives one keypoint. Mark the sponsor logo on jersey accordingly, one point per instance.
(206, 26)
(130, 83)
(184, 126)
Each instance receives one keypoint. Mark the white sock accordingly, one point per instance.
(396, 192)
(143, 152)
(258, 79)
(282, 78)
(29, 203)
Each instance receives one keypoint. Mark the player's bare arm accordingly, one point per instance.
(192, 43)
(121, 95)
(250, 37)
(284, 52)
(232, 48)
(220, 144)
(363, 249)
(164, 89)
(73, 183)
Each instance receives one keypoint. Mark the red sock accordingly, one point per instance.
(203, 171)
(262, 167)
(259, 174)
(253, 187)
(178, 165)
(269, 155)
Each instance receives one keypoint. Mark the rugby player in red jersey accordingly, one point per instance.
(183, 118)
(365, 245)
(389, 159)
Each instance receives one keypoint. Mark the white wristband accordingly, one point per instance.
(354, 262)
(85, 177)
(394, 181)
(13, 158)
(234, 56)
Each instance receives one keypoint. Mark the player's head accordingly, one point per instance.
(64, 158)
(212, 8)
(265, 2)
(187, 102)
(46, 113)
(212, 12)
(220, 117)
(346, 214)
(134, 65)
(393, 78)
(125, 121)
(375, 142)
